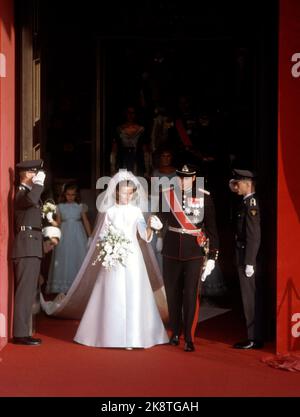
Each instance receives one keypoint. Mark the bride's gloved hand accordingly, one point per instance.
(155, 223)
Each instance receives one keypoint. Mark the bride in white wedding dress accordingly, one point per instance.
(122, 311)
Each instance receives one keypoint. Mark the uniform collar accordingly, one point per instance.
(248, 195)
(26, 186)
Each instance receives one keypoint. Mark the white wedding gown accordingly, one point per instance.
(122, 311)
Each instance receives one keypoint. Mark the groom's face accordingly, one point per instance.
(185, 183)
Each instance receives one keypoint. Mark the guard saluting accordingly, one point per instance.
(248, 235)
(191, 236)
(28, 247)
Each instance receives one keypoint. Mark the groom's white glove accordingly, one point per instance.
(155, 223)
(249, 270)
(39, 178)
(210, 265)
(159, 244)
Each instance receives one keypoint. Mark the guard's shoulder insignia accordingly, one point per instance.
(253, 212)
(21, 188)
(252, 202)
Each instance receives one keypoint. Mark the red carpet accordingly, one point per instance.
(60, 367)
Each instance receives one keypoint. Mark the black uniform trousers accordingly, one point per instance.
(181, 279)
(251, 291)
(27, 272)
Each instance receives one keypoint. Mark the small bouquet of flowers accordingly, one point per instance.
(48, 210)
(50, 231)
(113, 248)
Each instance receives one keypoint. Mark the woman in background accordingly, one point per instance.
(68, 256)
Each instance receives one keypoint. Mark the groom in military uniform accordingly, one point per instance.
(247, 242)
(190, 248)
(28, 247)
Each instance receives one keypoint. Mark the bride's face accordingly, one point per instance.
(125, 194)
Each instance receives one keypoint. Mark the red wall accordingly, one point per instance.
(7, 152)
(288, 220)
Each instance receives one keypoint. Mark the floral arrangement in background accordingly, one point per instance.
(113, 248)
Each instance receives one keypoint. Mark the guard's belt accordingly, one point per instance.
(23, 228)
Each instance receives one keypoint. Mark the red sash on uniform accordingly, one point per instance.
(182, 218)
(182, 133)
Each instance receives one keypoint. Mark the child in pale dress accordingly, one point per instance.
(69, 254)
(122, 311)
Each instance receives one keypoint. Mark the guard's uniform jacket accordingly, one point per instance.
(248, 237)
(27, 253)
(200, 211)
(248, 234)
(28, 240)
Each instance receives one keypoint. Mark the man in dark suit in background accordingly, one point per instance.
(191, 238)
(247, 242)
(27, 248)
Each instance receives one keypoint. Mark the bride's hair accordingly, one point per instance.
(126, 183)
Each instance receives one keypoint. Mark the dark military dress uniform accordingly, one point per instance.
(27, 253)
(183, 258)
(248, 237)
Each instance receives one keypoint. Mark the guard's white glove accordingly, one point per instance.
(159, 244)
(39, 178)
(210, 265)
(89, 241)
(249, 270)
(155, 223)
(49, 217)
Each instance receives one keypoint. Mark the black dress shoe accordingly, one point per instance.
(248, 344)
(174, 340)
(26, 341)
(189, 347)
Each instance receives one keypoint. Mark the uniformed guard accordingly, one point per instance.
(190, 242)
(247, 242)
(27, 248)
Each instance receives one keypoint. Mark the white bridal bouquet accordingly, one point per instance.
(113, 248)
